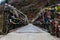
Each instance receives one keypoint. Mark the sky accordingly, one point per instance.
(1, 1)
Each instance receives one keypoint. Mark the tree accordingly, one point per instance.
(6, 1)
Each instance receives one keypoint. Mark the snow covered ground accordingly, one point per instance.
(20, 34)
(28, 36)
(29, 29)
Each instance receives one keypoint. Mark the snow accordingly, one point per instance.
(29, 28)
(28, 36)
(39, 35)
